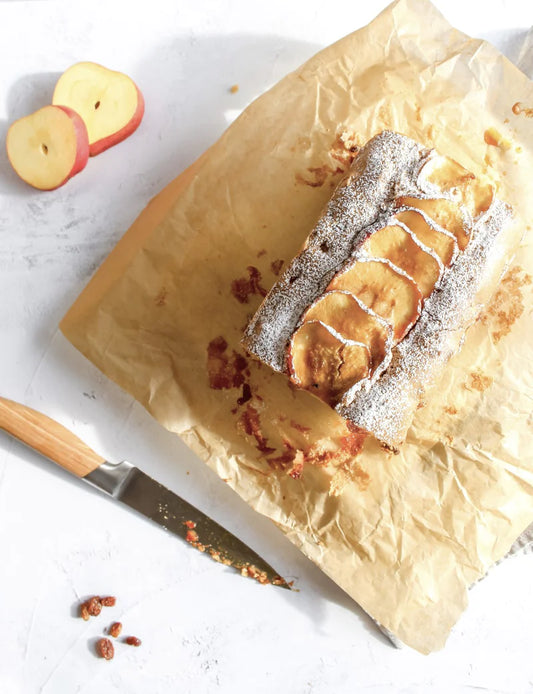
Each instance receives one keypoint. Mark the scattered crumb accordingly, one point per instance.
(319, 175)
(192, 536)
(234, 88)
(276, 266)
(477, 381)
(345, 148)
(507, 304)
(519, 108)
(250, 571)
(299, 427)
(105, 649)
(496, 139)
(115, 629)
(243, 287)
(93, 606)
(250, 423)
(246, 394)
(225, 370)
(161, 298)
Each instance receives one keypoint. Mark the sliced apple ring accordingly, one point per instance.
(324, 364)
(48, 147)
(384, 289)
(347, 316)
(443, 243)
(396, 244)
(109, 102)
(445, 213)
(450, 177)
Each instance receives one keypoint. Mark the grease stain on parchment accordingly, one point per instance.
(521, 109)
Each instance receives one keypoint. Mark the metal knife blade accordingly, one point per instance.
(133, 487)
(126, 483)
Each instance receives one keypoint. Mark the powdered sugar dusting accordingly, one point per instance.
(387, 408)
(363, 197)
(389, 166)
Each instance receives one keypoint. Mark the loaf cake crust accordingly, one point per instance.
(416, 224)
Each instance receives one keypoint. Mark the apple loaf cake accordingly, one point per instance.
(368, 313)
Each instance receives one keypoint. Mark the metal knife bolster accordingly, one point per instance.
(111, 478)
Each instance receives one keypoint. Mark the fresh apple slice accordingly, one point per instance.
(48, 147)
(324, 364)
(390, 294)
(346, 315)
(109, 102)
(445, 213)
(397, 245)
(444, 244)
(450, 177)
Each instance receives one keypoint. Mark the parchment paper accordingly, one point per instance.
(404, 535)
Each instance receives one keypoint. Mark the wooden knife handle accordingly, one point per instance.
(48, 437)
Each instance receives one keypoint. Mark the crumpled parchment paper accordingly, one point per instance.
(404, 535)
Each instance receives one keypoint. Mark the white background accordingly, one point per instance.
(204, 628)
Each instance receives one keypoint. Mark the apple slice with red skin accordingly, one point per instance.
(347, 316)
(445, 213)
(450, 177)
(397, 245)
(109, 102)
(390, 294)
(321, 363)
(48, 147)
(444, 245)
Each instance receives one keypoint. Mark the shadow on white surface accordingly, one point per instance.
(187, 87)
(508, 41)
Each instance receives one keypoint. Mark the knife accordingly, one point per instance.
(126, 483)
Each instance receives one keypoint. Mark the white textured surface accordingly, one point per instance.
(204, 629)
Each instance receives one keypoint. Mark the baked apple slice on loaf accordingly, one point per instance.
(366, 316)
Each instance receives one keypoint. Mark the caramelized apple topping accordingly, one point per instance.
(368, 307)
(397, 245)
(348, 317)
(322, 363)
(444, 172)
(390, 294)
(444, 245)
(445, 213)
(451, 178)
